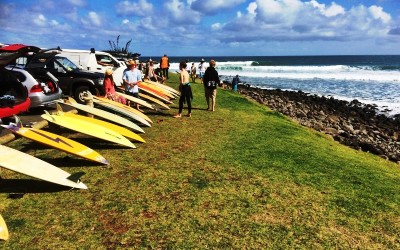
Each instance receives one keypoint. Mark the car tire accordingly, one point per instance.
(80, 92)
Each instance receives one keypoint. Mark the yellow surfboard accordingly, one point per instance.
(3, 229)
(56, 141)
(157, 88)
(123, 131)
(166, 87)
(103, 114)
(87, 128)
(154, 100)
(154, 95)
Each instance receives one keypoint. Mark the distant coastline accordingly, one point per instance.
(373, 80)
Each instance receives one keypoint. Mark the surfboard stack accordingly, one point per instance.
(111, 122)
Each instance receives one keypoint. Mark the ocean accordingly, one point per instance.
(369, 79)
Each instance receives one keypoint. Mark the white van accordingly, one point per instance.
(96, 61)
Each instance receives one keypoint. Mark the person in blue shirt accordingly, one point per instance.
(132, 79)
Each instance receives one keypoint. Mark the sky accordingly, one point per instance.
(207, 27)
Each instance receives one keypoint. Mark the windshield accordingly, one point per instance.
(66, 63)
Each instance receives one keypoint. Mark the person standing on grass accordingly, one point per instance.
(211, 81)
(235, 82)
(164, 65)
(193, 72)
(202, 69)
(132, 78)
(186, 90)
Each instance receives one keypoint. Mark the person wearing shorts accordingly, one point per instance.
(211, 81)
(132, 79)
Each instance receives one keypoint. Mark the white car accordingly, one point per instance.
(96, 61)
(42, 90)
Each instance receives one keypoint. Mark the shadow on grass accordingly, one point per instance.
(70, 161)
(17, 187)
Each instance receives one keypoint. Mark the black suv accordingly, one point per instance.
(72, 80)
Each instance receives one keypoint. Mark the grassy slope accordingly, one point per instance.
(240, 177)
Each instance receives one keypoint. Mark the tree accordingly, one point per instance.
(121, 52)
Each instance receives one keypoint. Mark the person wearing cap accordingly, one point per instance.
(132, 79)
(211, 81)
(202, 69)
(109, 88)
(235, 82)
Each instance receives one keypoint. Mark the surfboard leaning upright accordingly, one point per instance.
(26, 164)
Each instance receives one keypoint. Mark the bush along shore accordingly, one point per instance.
(354, 124)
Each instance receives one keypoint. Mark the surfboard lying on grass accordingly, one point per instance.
(87, 128)
(126, 107)
(29, 165)
(103, 114)
(134, 99)
(157, 89)
(154, 94)
(56, 141)
(154, 100)
(122, 111)
(3, 229)
(166, 87)
(123, 131)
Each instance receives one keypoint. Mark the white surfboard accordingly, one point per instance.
(3, 229)
(29, 165)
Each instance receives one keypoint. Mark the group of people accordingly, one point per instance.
(209, 78)
(133, 76)
(131, 79)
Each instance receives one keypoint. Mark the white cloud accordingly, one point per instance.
(40, 20)
(125, 21)
(180, 13)
(213, 6)
(216, 26)
(94, 18)
(79, 3)
(378, 13)
(251, 9)
(296, 20)
(138, 8)
(332, 10)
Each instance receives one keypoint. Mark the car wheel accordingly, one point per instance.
(80, 94)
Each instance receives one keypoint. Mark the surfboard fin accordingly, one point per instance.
(3, 229)
(71, 100)
(18, 122)
(75, 177)
(59, 109)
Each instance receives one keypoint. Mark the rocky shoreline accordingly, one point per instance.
(357, 125)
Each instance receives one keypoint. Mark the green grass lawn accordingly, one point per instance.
(240, 177)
